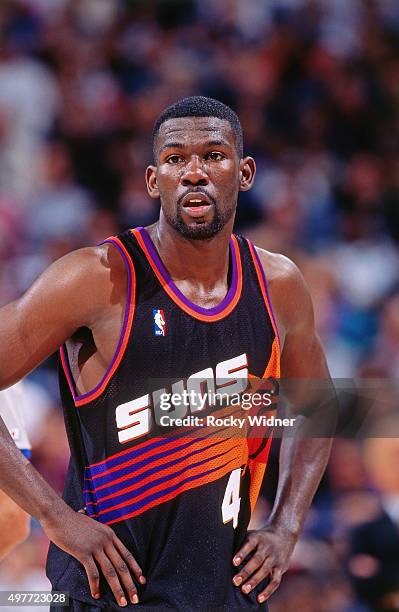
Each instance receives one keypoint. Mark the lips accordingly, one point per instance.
(196, 199)
(196, 204)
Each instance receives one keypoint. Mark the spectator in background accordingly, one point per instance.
(374, 545)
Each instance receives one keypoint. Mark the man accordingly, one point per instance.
(174, 508)
(14, 522)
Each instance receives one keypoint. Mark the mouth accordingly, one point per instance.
(196, 204)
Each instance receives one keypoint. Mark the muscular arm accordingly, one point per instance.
(304, 452)
(86, 288)
(79, 290)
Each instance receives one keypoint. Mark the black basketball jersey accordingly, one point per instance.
(179, 494)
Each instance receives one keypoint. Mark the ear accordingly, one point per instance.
(247, 173)
(151, 181)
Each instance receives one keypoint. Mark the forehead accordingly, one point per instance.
(195, 130)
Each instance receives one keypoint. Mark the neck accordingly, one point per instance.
(204, 261)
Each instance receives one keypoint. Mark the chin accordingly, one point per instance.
(199, 231)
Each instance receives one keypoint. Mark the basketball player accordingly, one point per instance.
(14, 522)
(184, 300)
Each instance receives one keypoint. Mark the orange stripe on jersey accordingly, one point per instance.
(225, 460)
(208, 318)
(208, 478)
(171, 447)
(81, 400)
(212, 452)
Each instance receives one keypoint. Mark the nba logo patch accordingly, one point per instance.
(159, 322)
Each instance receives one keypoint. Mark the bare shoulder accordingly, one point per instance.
(288, 291)
(85, 288)
(80, 287)
(278, 267)
(90, 269)
(93, 260)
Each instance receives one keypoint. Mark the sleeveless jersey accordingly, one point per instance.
(179, 497)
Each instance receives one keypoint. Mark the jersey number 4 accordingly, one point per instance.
(232, 500)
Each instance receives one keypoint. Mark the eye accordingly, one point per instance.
(173, 159)
(215, 156)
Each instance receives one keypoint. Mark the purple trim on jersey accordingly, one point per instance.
(267, 293)
(115, 488)
(118, 496)
(204, 311)
(115, 514)
(68, 372)
(121, 337)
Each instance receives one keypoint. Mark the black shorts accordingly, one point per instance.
(76, 606)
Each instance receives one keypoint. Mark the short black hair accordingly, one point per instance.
(200, 106)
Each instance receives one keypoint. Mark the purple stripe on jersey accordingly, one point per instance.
(125, 321)
(97, 470)
(130, 495)
(204, 311)
(108, 479)
(267, 292)
(121, 457)
(116, 488)
(115, 514)
(89, 498)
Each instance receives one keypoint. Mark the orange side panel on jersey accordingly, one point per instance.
(175, 298)
(257, 468)
(273, 367)
(257, 471)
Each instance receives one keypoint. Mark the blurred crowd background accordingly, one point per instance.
(316, 85)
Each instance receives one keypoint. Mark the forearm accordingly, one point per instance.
(23, 483)
(302, 464)
(305, 449)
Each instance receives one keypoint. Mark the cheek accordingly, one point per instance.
(167, 181)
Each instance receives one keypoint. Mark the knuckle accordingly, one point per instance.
(122, 568)
(110, 572)
(129, 558)
(107, 537)
(258, 557)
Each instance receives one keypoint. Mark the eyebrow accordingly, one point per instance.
(180, 145)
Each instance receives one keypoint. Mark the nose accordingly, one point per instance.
(194, 173)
